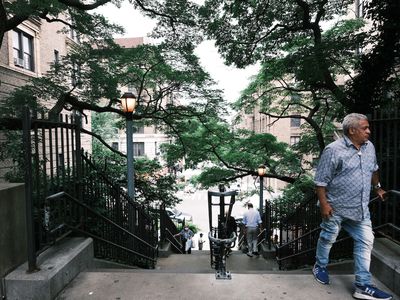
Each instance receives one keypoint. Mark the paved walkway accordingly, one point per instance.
(199, 262)
(190, 277)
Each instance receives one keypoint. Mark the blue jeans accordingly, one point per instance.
(363, 237)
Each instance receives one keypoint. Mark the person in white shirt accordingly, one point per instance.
(201, 242)
(252, 222)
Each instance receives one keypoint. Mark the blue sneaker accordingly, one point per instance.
(321, 274)
(370, 292)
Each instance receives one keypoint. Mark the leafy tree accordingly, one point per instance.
(170, 85)
(227, 155)
(150, 184)
(309, 53)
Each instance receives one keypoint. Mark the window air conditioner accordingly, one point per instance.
(18, 61)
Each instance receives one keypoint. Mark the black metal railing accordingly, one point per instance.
(54, 162)
(112, 241)
(299, 232)
(167, 231)
(175, 243)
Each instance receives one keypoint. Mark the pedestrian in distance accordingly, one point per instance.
(201, 242)
(345, 173)
(252, 222)
(186, 238)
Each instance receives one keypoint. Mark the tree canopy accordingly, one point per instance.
(317, 63)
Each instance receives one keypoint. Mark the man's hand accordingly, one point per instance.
(326, 210)
(381, 193)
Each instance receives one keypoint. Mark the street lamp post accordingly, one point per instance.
(261, 173)
(128, 105)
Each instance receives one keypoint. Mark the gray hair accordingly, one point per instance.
(352, 121)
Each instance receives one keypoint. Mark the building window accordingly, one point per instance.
(295, 121)
(115, 145)
(294, 140)
(23, 50)
(56, 56)
(74, 35)
(138, 129)
(138, 149)
(76, 74)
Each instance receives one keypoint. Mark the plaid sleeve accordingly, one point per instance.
(326, 168)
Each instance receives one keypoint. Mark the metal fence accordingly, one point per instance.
(86, 202)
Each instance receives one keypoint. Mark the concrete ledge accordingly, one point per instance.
(59, 265)
(385, 263)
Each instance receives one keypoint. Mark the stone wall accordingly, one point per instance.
(13, 227)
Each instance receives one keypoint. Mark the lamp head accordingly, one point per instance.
(128, 102)
(261, 170)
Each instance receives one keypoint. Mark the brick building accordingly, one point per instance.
(26, 53)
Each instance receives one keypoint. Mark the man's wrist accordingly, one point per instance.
(377, 186)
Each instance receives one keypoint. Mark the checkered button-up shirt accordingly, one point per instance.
(346, 173)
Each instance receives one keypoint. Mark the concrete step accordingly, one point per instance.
(385, 263)
(155, 285)
(190, 276)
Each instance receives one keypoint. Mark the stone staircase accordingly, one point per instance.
(189, 277)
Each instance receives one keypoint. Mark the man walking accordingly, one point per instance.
(252, 221)
(343, 182)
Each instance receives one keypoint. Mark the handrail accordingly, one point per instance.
(61, 194)
(261, 234)
(241, 240)
(309, 235)
(299, 238)
(394, 192)
(222, 241)
(114, 244)
(173, 236)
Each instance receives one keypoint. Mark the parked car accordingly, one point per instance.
(179, 216)
(239, 220)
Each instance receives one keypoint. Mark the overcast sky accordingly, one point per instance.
(231, 80)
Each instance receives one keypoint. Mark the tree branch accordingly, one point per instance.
(102, 141)
(83, 6)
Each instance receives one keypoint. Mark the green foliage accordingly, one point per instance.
(226, 155)
(151, 185)
(191, 226)
(11, 150)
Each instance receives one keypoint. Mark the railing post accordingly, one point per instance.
(78, 155)
(30, 225)
(268, 231)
